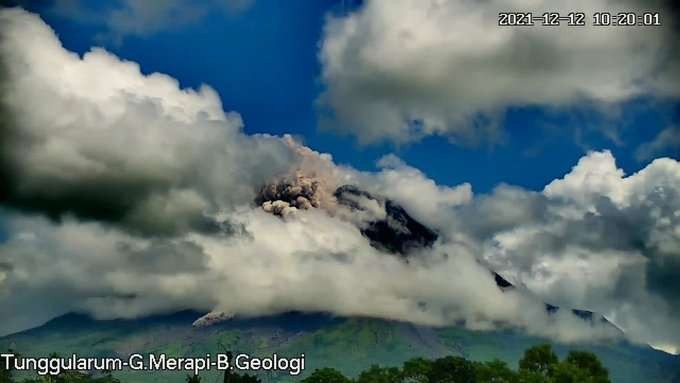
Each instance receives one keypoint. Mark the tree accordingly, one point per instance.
(540, 364)
(377, 374)
(72, 377)
(326, 375)
(416, 370)
(495, 371)
(538, 359)
(452, 369)
(588, 362)
(245, 378)
(568, 373)
(526, 376)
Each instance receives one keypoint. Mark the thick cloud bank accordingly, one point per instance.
(593, 239)
(95, 138)
(399, 70)
(123, 196)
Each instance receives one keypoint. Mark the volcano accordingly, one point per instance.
(397, 232)
(400, 234)
(348, 344)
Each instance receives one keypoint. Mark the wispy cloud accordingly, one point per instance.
(667, 142)
(124, 18)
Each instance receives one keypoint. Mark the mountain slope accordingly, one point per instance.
(349, 344)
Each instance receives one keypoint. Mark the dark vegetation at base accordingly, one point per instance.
(350, 345)
(539, 364)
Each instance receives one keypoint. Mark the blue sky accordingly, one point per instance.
(263, 60)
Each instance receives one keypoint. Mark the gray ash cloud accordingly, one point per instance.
(290, 193)
(384, 222)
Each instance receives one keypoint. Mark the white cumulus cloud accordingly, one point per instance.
(399, 70)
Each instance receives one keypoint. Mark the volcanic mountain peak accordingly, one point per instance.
(395, 231)
(385, 223)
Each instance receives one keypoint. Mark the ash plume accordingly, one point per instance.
(309, 183)
(291, 193)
